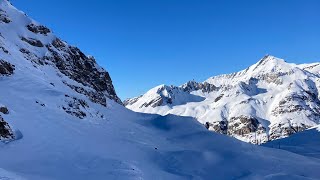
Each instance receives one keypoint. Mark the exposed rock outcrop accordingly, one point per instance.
(32, 41)
(6, 132)
(219, 127)
(156, 102)
(195, 86)
(241, 126)
(131, 101)
(286, 129)
(4, 110)
(6, 69)
(94, 96)
(83, 69)
(38, 29)
(33, 57)
(3, 17)
(75, 107)
(4, 50)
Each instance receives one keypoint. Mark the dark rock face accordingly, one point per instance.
(154, 103)
(131, 101)
(273, 77)
(94, 96)
(79, 108)
(4, 50)
(4, 110)
(77, 66)
(286, 105)
(195, 86)
(75, 107)
(219, 127)
(5, 130)
(6, 69)
(32, 42)
(38, 29)
(304, 103)
(219, 98)
(241, 126)
(285, 130)
(32, 57)
(3, 17)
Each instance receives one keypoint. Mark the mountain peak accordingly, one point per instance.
(262, 96)
(270, 58)
(161, 89)
(269, 63)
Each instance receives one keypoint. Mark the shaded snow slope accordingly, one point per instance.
(269, 100)
(306, 143)
(128, 145)
(66, 126)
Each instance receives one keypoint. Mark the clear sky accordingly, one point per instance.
(144, 43)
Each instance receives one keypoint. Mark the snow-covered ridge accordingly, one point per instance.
(25, 42)
(30, 51)
(269, 100)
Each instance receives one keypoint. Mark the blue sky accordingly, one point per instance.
(145, 43)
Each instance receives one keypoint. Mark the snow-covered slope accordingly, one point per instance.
(271, 99)
(306, 143)
(61, 119)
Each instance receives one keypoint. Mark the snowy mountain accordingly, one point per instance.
(60, 118)
(269, 100)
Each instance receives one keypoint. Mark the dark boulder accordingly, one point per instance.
(6, 69)
(4, 110)
(6, 132)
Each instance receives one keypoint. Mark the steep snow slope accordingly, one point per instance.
(66, 122)
(127, 145)
(306, 143)
(269, 100)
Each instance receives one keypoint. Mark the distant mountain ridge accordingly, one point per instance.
(269, 100)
